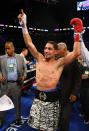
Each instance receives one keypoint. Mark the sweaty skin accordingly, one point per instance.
(48, 74)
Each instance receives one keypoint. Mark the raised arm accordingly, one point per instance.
(27, 38)
(71, 56)
(78, 28)
(79, 33)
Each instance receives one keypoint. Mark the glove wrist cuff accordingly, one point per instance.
(78, 36)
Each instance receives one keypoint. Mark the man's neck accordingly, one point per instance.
(49, 59)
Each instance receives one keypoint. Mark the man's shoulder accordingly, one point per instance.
(18, 55)
(19, 58)
(2, 56)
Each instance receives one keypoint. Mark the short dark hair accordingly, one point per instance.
(54, 44)
(24, 49)
(9, 43)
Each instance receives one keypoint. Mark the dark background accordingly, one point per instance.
(40, 14)
(43, 14)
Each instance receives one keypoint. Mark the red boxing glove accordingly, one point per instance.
(77, 24)
(78, 27)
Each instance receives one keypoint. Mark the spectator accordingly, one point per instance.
(13, 70)
(24, 53)
(70, 87)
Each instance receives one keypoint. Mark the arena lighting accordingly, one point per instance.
(15, 26)
(38, 29)
(19, 27)
(34, 29)
(6, 25)
(44, 30)
(11, 26)
(56, 30)
(64, 29)
(1, 25)
(30, 28)
(68, 28)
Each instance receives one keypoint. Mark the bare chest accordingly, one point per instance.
(46, 69)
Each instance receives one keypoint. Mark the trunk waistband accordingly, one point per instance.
(47, 96)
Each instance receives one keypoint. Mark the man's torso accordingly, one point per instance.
(48, 74)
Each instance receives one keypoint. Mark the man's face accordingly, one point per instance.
(9, 49)
(25, 52)
(49, 51)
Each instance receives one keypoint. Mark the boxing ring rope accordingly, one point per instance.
(30, 79)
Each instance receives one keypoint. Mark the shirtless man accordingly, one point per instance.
(44, 112)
